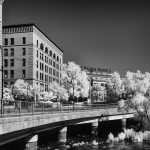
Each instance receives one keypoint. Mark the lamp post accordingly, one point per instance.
(1, 51)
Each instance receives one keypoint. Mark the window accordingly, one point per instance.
(11, 83)
(41, 46)
(54, 56)
(37, 53)
(37, 74)
(23, 62)
(42, 67)
(23, 51)
(12, 41)
(24, 40)
(53, 64)
(12, 52)
(5, 41)
(50, 53)
(11, 62)
(46, 50)
(53, 72)
(45, 59)
(42, 56)
(5, 62)
(40, 76)
(5, 73)
(5, 84)
(11, 73)
(23, 73)
(37, 43)
(37, 64)
(5, 52)
(50, 70)
(57, 58)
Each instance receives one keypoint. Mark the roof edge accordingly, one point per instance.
(28, 25)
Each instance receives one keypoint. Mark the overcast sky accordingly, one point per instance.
(113, 34)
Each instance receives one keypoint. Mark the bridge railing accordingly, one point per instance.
(20, 108)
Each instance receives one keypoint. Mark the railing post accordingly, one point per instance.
(2, 107)
(60, 107)
(42, 108)
(32, 108)
(19, 107)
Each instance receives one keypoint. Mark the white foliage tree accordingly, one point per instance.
(74, 80)
(138, 85)
(58, 91)
(7, 95)
(22, 90)
(115, 86)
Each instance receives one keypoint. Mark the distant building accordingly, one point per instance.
(97, 75)
(30, 55)
(1, 3)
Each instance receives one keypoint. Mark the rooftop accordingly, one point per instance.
(31, 25)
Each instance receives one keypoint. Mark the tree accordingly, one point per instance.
(7, 96)
(74, 80)
(59, 91)
(22, 90)
(137, 83)
(115, 87)
(138, 86)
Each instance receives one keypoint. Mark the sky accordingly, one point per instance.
(112, 34)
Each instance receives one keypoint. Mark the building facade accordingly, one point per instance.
(97, 75)
(30, 55)
(1, 67)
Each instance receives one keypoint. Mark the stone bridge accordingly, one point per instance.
(14, 128)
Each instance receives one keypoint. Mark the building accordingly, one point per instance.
(1, 23)
(97, 75)
(30, 55)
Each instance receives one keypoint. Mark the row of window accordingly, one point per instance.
(12, 41)
(6, 73)
(6, 84)
(12, 62)
(46, 87)
(6, 53)
(46, 67)
(50, 54)
(42, 57)
(47, 78)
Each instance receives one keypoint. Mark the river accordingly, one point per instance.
(80, 138)
(75, 144)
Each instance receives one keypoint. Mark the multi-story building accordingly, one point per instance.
(1, 3)
(30, 55)
(97, 75)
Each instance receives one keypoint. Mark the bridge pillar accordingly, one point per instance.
(63, 135)
(32, 143)
(95, 129)
(123, 123)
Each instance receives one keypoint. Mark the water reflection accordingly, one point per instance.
(87, 145)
